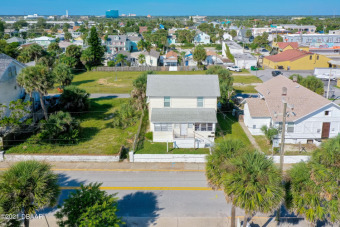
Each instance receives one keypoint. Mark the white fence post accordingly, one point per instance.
(131, 158)
(2, 153)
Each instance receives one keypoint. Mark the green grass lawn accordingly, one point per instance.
(263, 144)
(160, 148)
(98, 137)
(246, 79)
(230, 128)
(245, 89)
(113, 82)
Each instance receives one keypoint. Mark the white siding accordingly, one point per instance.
(178, 102)
(9, 89)
(310, 127)
(254, 124)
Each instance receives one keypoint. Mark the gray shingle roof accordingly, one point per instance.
(5, 61)
(183, 85)
(183, 115)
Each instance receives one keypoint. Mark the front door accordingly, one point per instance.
(184, 130)
(325, 130)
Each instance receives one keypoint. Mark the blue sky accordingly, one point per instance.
(172, 7)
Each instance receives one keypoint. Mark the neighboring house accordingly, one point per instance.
(9, 88)
(16, 40)
(182, 109)
(128, 57)
(43, 41)
(64, 44)
(234, 48)
(10, 31)
(151, 59)
(171, 59)
(227, 36)
(201, 38)
(245, 61)
(312, 40)
(296, 60)
(242, 36)
(116, 43)
(310, 117)
(283, 46)
(143, 29)
(134, 42)
(213, 58)
(189, 60)
(172, 39)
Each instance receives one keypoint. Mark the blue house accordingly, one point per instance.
(172, 39)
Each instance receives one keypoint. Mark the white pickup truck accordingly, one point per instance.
(234, 68)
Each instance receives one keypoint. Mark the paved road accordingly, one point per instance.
(159, 198)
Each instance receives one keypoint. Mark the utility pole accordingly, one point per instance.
(282, 147)
(329, 81)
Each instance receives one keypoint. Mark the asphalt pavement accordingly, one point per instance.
(160, 198)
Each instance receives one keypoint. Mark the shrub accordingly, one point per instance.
(60, 128)
(149, 135)
(74, 99)
(126, 116)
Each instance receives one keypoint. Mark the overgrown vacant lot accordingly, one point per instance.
(97, 135)
(112, 82)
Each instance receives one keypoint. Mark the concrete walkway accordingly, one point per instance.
(250, 136)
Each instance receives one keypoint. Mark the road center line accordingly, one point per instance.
(147, 188)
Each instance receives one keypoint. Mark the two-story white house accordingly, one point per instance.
(182, 109)
(9, 88)
(43, 41)
(310, 117)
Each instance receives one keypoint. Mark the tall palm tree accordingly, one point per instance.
(27, 187)
(217, 164)
(37, 78)
(141, 45)
(183, 57)
(254, 183)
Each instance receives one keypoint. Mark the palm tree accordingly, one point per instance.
(141, 45)
(217, 164)
(37, 78)
(183, 57)
(120, 59)
(63, 74)
(254, 183)
(314, 186)
(27, 187)
(141, 59)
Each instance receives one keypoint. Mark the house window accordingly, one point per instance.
(310, 57)
(203, 127)
(327, 113)
(210, 126)
(163, 127)
(200, 102)
(317, 57)
(167, 101)
(290, 127)
(254, 126)
(190, 125)
(197, 127)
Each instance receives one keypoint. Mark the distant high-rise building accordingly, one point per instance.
(112, 14)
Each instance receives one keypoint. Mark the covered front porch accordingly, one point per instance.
(185, 127)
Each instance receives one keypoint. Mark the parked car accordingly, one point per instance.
(234, 68)
(276, 73)
(325, 76)
(264, 50)
(254, 68)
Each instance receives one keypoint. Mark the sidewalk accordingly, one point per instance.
(124, 166)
